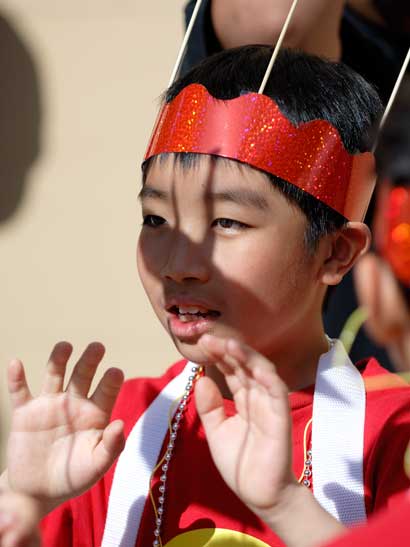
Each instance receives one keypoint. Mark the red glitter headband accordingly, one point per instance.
(391, 227)
(252, 129)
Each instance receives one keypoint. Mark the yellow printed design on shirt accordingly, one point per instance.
(215, 537)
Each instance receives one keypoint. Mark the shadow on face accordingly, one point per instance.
(220, 241)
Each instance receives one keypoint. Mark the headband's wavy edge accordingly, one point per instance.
(252, 129)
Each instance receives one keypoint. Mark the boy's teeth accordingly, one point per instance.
(188, 310)
(186, 318)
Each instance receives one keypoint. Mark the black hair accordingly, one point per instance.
(393, 149)
(395, 13)
(305, 87)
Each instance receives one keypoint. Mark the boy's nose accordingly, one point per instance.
(187, 262)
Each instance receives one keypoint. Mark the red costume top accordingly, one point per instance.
(197, 497)
(390, 527)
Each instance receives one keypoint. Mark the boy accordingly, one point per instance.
(243, 253)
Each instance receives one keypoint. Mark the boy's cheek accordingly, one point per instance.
(150, 256)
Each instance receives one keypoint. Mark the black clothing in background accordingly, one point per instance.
(377, 54)
(372, 50)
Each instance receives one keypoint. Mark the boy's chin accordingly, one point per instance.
(191, 352)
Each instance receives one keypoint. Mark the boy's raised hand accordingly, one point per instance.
(251, 449)
(61, 442)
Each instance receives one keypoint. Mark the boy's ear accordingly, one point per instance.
(343, 249)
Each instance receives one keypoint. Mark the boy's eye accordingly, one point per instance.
(153, 221)
(229, 224)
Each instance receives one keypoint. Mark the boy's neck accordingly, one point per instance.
(296, 363)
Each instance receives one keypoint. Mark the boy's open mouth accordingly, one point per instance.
(187, 314)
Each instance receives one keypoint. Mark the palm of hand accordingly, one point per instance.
(251, 449)
(248, 447)
(59, 443)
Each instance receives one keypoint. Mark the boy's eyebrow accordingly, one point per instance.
(240, 197)
(149, 192)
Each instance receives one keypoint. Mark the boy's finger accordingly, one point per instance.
(235, 377)
(248, 357)
(272, 400)
(107, 390)
(242, 361)
(17, 384)
(209, 404)
(212, 345)
(56, 367)
(84, 370)
(233, 353)
(110, 446)
(216, 349)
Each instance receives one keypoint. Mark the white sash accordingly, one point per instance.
(337, 446)
(132, 474)
(339, 408)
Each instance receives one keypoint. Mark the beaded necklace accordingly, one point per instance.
(174, 425)
(165, 460)
(306, 475)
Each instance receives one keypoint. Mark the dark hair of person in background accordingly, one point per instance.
(396, 14)
(377, 51)
(20, 118)
(393, 168)
(393, 149)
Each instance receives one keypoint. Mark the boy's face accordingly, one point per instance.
(222, 251)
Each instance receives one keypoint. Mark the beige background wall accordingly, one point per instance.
(78, 87)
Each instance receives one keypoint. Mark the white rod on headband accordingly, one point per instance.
(277, 47)
(185, 42)
(390, 103)
(395, 90)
